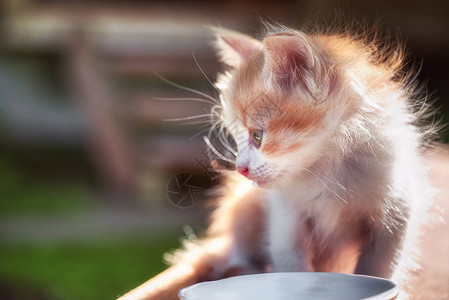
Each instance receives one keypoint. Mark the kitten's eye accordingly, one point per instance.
(256, 136)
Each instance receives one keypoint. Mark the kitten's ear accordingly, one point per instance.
(234, 47)
(289, 59)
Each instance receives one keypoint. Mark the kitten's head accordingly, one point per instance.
(283, 99)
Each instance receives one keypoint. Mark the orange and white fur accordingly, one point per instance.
(334, 180)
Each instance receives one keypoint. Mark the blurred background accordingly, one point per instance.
(85, 156)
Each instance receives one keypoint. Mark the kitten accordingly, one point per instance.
(326, 130)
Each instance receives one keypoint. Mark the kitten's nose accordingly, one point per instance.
(243, 171)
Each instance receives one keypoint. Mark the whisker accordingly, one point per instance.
(327, 187)
(184, 99)
(186, 88)
(221, 156)
(195, 122)
(224, 142)
(198, 65)
(200, 132)
(213, 110)
(339, 185)
(211, 129)
(187, 118)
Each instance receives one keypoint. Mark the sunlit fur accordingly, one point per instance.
(340, 183)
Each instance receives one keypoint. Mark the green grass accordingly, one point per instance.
(97, 270)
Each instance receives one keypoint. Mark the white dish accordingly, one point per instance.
(290, 286)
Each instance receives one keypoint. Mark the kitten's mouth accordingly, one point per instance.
(259, 182)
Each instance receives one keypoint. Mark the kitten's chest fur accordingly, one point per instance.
(306, 236)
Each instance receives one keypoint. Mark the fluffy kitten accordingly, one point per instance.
(325, 128)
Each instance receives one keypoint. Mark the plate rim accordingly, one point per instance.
(391, 293)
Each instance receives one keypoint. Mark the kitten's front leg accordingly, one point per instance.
(379, 253)
(387, 244)
(380, 257)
